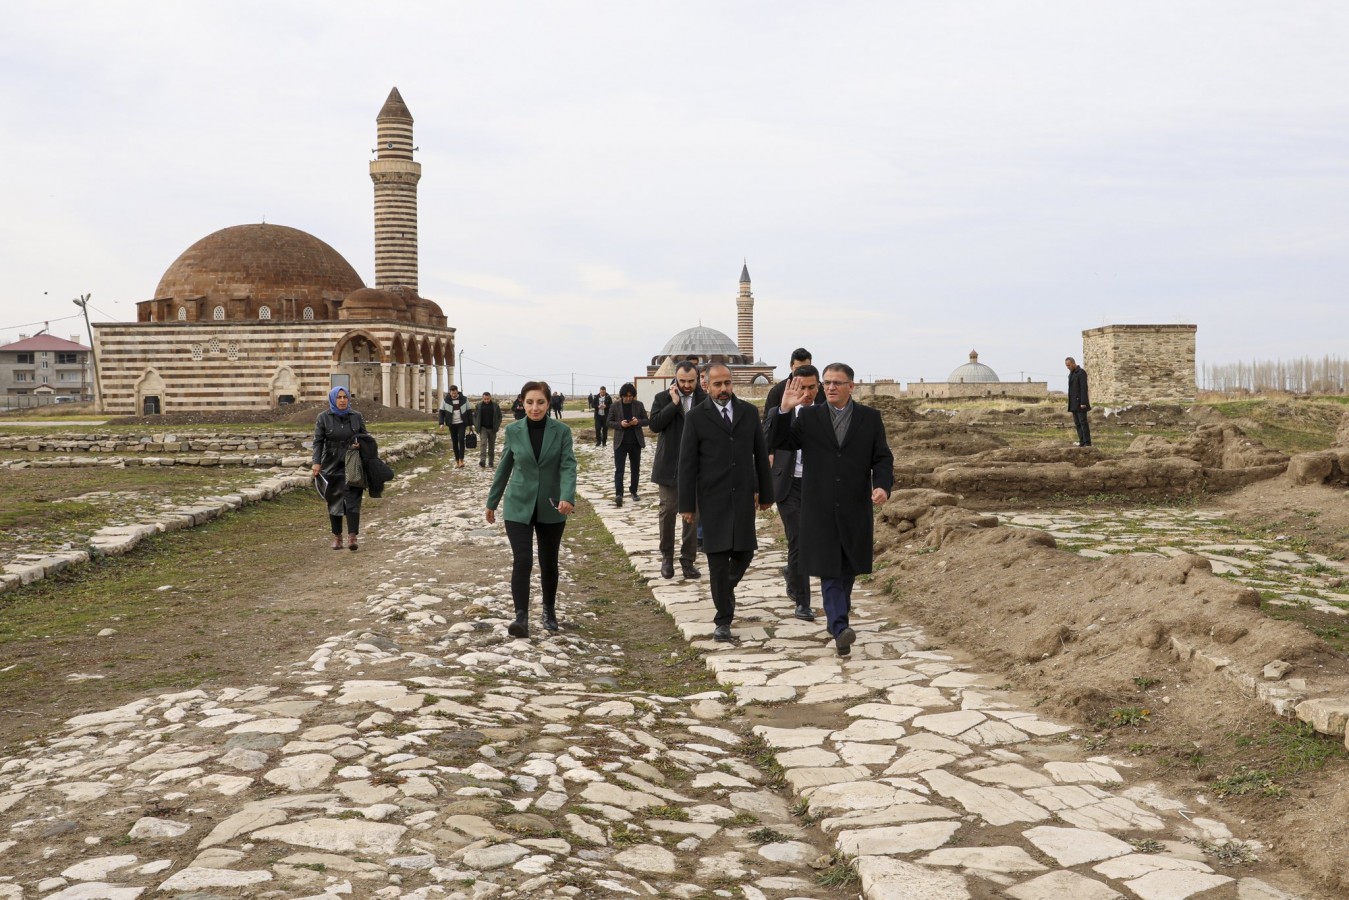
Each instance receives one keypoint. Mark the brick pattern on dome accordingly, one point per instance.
(267, 263)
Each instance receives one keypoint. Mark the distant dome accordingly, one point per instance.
(266, 262)
(700, 341)
(372, 303)
(973, 372)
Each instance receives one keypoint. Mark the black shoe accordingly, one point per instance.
(618, 501)
(549, 619)
(691, 572)
(635, 498)
(722, 633)
(667, 568)
(844, 641)
(519, 628)
(482, 464)
(803, 612)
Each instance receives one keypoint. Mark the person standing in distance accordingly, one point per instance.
(787, 473)
(602, 403)
(537, 478)
(487, 420)
(1079, 402)
(847, 469)
(724, 477)
(669, 411)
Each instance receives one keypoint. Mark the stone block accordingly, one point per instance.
(1326, 714)
(1312, 468)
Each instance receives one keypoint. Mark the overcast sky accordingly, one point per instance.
(907, 180)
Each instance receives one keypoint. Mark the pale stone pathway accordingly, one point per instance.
(421, 753)
(917, 766)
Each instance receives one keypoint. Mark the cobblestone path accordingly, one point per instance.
(422, 753)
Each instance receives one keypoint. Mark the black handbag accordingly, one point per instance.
(471, 440)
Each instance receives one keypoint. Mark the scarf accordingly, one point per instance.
(332, 402)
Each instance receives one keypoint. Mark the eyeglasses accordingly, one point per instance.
(836, 384)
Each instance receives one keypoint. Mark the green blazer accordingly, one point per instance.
(530, 484)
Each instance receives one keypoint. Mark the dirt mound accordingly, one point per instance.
(1342, 433)
(291, 414)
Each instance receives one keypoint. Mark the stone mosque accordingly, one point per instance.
(254, 316)
(710, 345)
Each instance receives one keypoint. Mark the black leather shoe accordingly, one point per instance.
(803, 612)
(618, 501)
(667, 568)
(691, 572)
(722, 633)
(844, 641)
(635, 498)
(549, 620)
(519, 628)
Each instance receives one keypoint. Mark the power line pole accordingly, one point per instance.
(83, 304)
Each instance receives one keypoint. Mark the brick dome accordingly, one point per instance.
(265, 263)
(371, 303)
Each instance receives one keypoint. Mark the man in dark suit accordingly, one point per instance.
(787, 472)
(602, 403)
(800, 357)
(1079, 403)
(668, 411)
(723, 476)
(628, 420)
(847, 469)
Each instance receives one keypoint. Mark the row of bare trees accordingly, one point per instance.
(1327, 375)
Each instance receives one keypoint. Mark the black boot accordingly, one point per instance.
(520, 627)
(550, 616)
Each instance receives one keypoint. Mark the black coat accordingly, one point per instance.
(621, 434)
(377, 471)
(836, 484)
(784, 461)
(488, 416)
(723, 473)
(667, 420)
(333, 437)
(1078, 399)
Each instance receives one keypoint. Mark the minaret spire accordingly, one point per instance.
(744, 309)
(395, 175)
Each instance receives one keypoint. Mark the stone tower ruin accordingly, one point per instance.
(395, 175)
(1140, 363)
(744, 316)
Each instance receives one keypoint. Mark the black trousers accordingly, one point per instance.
(521, 535)
(798, 582)
(626, 450)
(457, 439)
(724, 571)
(1083, 428)
(601, 430)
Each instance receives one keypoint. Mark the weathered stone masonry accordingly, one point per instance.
(1139, 363)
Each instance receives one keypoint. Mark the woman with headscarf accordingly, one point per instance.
(537, 478)
(334, 434)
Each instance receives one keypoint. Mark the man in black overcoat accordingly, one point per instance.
(724, 477)
(847, 469)
(787, 474)
(668, 411)
(1079, 403)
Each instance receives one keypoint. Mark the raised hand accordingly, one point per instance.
(792, 395)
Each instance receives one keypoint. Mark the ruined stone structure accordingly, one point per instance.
(253, 316)
(1140, 363)
(710, 345)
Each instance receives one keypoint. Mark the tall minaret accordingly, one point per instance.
(395, 176)
(744, 316)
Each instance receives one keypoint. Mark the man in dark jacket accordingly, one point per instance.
(628, 421)
(602, 403)
(800, 357)
(1079, 403)
(488, 421)
(668, 412)
(848, 469)
(723, 477)
(787, 473)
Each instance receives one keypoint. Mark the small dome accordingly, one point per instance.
(973, 372)
(700, 341)
(268, 263)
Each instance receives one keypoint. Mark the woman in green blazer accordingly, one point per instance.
(537, 476)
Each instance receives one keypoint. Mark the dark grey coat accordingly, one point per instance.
(723, 472)
(836, 484)
(333, 436)
(667, 420)
(1078, 398)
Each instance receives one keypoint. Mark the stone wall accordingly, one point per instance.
(1129, 364)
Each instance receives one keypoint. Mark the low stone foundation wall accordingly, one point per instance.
(162, 442)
